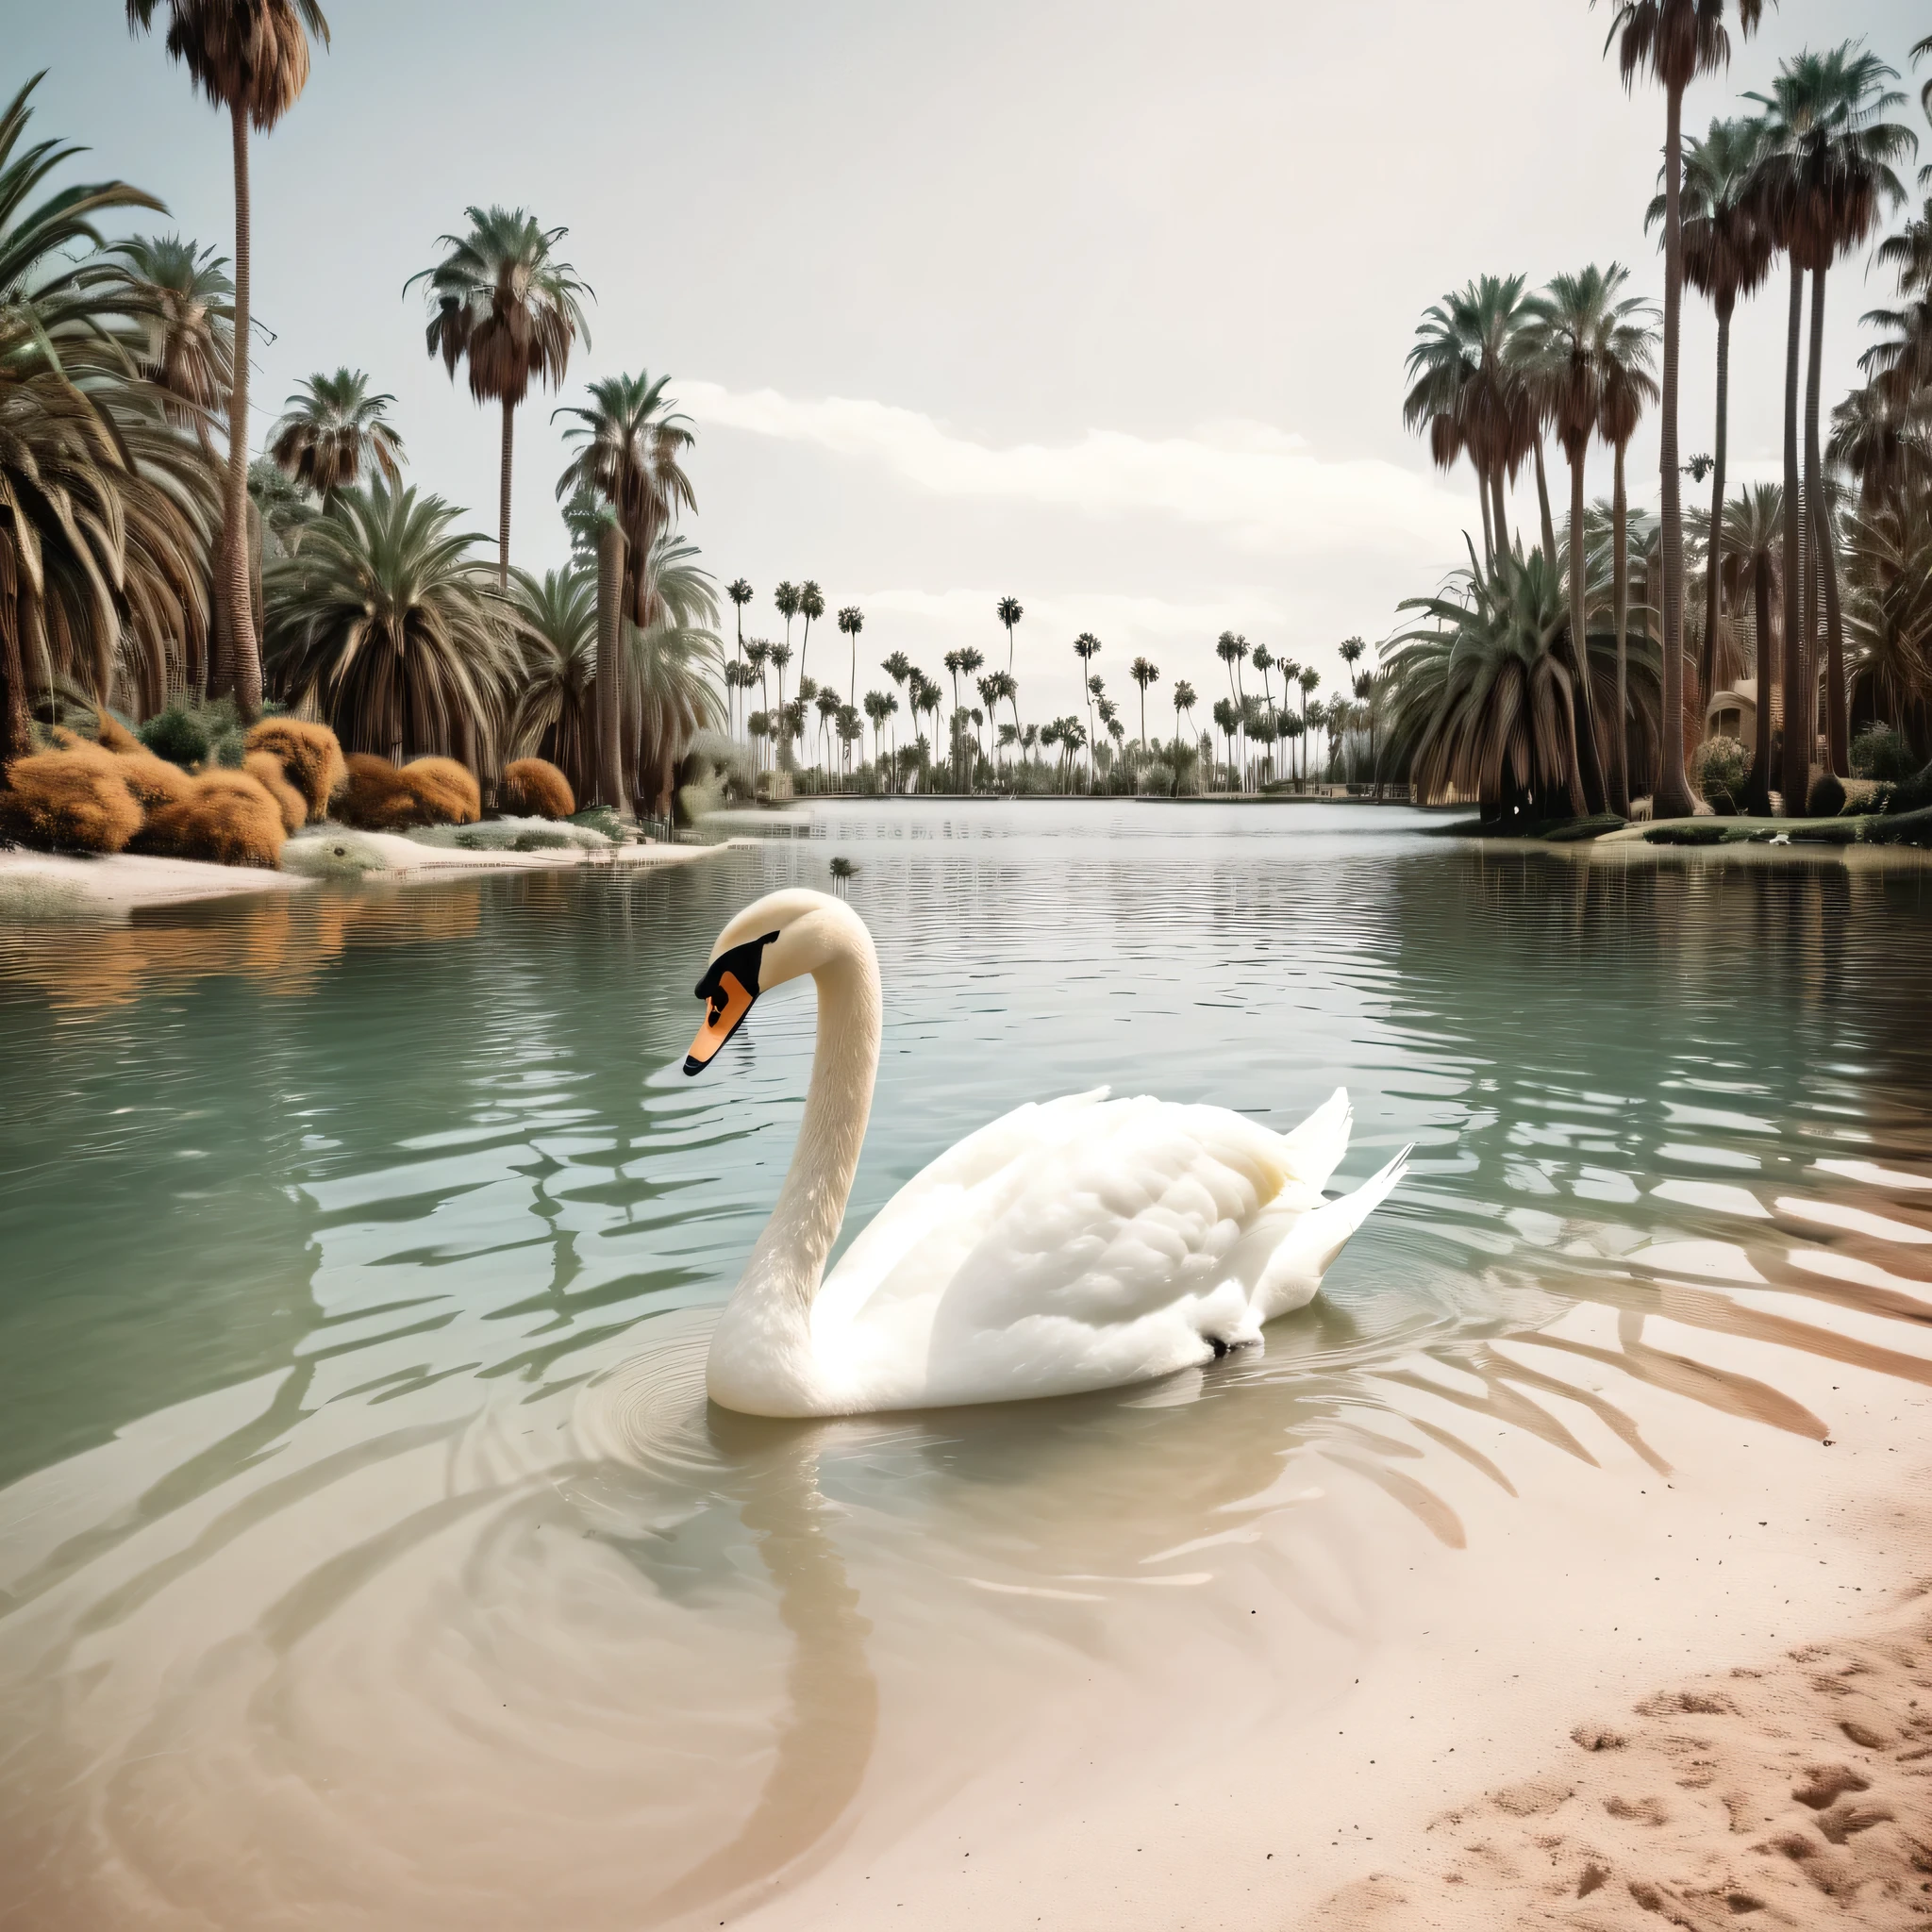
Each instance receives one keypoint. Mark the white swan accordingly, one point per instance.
(1077, 1244)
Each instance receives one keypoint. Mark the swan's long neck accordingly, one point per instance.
(789, 1263)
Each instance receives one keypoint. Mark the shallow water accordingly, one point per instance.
(369, 1556)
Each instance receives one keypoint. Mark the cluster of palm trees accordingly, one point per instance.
(143, 558)
(1557, 677)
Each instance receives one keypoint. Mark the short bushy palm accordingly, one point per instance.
(334, 433)
(388, 625)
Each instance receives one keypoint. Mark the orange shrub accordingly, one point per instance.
(151, 782)
(114, 736)
(227, 818)
(427, 791)
(311, 758)
(71, 799)
(266, 770)
(537, 789)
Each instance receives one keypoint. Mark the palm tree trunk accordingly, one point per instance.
(1757, 794)
(1713, 575)
(1594, 790)
(242, 671)
(16, 732)
(1672, 798)
(609, 679)
(1824, 556)
(1501, 521)
(1620, 593)
(509, 425)
(1542, 503)
(1795, 775)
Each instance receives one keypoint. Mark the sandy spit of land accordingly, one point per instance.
(117, 884)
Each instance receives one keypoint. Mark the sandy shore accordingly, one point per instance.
(1665, 1662)
(119, 883)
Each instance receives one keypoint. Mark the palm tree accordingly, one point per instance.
(879, 705)
(630, 445)
(501, 300)
(333, 431)
(898, 667)
(1466, 393)
(1481, 693)
(1310, 681)
(1753, 538)
(1006, 691)
(109, 510)
(811, 603)
(1627, 387)
(1010, 612)
(778, 657)
(741, 593)
(852, 621)
(671, 660)
(989, 690)
(1882, 443)
(1144, 671)
(250, 56)
(1575, 327)
(1727, 254)
(556, 699)
(1827, 174)
(970, 662)
(828, 703)
(189, 324)
(785, 598)
(1890, 610)
(1673, 41)
(1183, 702)
(1087, 648)
(385, 622)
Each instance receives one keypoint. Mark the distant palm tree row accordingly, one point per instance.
(983, 750)
(145, 558)
(1542, 680)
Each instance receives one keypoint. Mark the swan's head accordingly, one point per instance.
(780, 937)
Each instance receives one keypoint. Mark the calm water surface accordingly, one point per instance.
(368, 1552)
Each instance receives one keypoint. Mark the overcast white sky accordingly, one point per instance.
(1103, 306)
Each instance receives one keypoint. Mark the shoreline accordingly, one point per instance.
(115, 885)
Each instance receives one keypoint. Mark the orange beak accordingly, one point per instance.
(730, 1003)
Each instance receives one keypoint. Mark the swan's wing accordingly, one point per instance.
(1083, 1257)
(1314, 1150)
(934, 1196)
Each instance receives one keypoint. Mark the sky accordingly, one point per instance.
(1099, 306)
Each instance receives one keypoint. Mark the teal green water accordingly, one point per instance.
(320, 1218)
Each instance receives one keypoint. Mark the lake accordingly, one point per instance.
(369, 1555)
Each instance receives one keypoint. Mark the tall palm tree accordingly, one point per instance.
(1144, 671)
(1827, 174)
(630, 445)
(1465, 392)
(556, 697)
(109, 511)
(828, 703)
(250, 56)
(898, 667)
(386, 623)
(1578, 327)
(1628, 387)
(1728, 250)
(1882, 442)
(1310, 681)
(189, 326)
(501, 302)
(333, 431)
(852, 621)
(741, 593)
(879, 705)
(1087, 648)
(786, 599)
(1185, 700)
(811, 603)
(1009, 611)
(1753, 544)
(1673, 41)
(970, 662)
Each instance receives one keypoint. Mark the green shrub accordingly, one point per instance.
(1720, 768)
(1699, 834)
(1840, 832)
(599, 817)
(1827, 798)
(1913, 793)
(197, 736)
(1903, 828)
(1879, 751)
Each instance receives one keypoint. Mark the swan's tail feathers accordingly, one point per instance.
(1294, 1271)
(1314, 1149)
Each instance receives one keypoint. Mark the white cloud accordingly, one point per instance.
(1264, 488)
